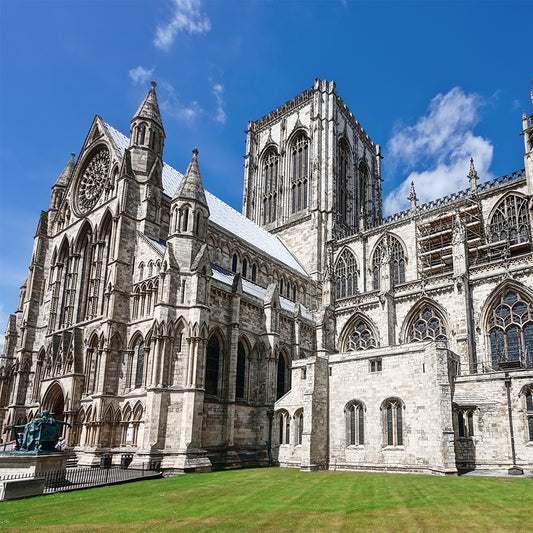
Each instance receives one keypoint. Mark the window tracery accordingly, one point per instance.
(299, 173)
(270, 185)
(510, 221)
(389, 254)
(427, 324)
(346, 275)
(393, 422)
(510, 329)
(342, 179)
(355, 424)
(529, 412)
(361, 337)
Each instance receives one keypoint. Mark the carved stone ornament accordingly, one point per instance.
(92, 180)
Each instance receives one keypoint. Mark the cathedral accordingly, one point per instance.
(307, 332)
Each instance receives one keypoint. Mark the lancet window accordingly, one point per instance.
(393, 422)
(529, 412)
(346, 275)
(343, 176)
(510, 221)
(240, 378)
(283, 376)
(427, 324)
(355, 424)
(270, 185)
(212, 366)
(510, 329)
(299, 173)
(361, 337)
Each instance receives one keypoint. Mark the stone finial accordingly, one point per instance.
(472, 176)
(195, 152)
(412, 197)
(153, 84)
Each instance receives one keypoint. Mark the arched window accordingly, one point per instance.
(299, 418)
(427, 325)
(346, 275)
(342, 179)
(510, 329)
(355, 424)
(510, 221)
(299, 173)
(465, 421)
(240, 378)
(529, 412)
(270, 185)
(234, 263)
(361, 337)
(393, 422)
(139, 371)
(254, 272)
(211, 366)
(244, 267)
(284, 427)
(283, 376)
(362, 189)
(388, 254)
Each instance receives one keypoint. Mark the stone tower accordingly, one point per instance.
(311, 174)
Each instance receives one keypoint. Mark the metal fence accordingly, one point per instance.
(83, 478)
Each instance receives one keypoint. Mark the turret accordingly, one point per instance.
(61, 184)
(189, 207)
(147, 136)
(527, 132)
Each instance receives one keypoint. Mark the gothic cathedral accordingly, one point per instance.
(308, 332)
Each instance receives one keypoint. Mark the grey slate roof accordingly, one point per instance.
(222, 214)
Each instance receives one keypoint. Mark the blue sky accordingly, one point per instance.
(432, 82)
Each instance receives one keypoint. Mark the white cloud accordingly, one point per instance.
(171, 104)
(442, 142)
(218, 91)
(140, 75)
(186, 17)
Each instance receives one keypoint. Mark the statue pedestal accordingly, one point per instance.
(31, 462)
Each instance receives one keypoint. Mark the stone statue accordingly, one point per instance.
(41, 434)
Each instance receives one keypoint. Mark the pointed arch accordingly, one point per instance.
(346, 274)
(392, 410)
(270, 172)
(344, 167)
(426, 321)
(213, 363)
(359, 333)
(54, 400)
(283, 381)
(389, 253)
(509, 220)
(508, 324)
(354, 414)
(243, 369)
(299, 144)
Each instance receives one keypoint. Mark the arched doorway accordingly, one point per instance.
(54, 401)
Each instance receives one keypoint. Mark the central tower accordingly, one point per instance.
(311, 174)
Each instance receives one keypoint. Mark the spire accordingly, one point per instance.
(149, 109)
(65, 176)
(472, 176)
(191, 186)
(412, 197)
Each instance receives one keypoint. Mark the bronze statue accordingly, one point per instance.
(41, 434)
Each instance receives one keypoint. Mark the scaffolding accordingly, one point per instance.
(435, 235)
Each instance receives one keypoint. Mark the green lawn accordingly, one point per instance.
(275, 499)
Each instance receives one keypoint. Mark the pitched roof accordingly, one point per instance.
(222, 214)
